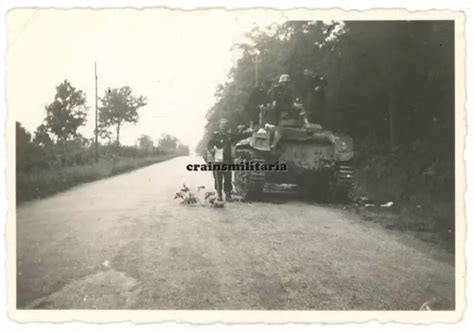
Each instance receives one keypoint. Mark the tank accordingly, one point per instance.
(318, 162)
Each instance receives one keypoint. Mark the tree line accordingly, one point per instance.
(389, 85)
(57, 142)
(387, 81)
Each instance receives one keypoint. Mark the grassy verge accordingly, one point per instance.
(42, 183)
(421, 189)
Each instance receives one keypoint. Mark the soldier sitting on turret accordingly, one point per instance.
(288, 110)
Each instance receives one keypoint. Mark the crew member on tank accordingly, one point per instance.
(313, 91)
(286, 100)
(259, 97)
(287, 107)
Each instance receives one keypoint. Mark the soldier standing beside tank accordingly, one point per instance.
(220, 148)
(314, 97)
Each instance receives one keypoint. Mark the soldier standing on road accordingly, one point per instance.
(220, 148)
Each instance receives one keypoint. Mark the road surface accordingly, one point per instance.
(125, 243)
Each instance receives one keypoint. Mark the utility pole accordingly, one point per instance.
(96, 117)
(257, 60)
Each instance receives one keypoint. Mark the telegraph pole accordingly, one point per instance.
(96, 117)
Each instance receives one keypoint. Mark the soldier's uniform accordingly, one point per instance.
(221, 142)
(287, 112)
(258, 96)
(314, 98)
(284, 97)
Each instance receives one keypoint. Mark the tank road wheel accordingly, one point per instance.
(249, 184)
(342, 182)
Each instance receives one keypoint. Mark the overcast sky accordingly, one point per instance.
(176, 59)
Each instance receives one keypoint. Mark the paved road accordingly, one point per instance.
(124, 243)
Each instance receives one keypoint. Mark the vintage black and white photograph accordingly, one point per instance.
(235, 160)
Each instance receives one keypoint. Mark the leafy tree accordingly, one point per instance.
(23, 142)
(42, 137)
(66, 113)
(28, 154)
(168, 142)
(23, 137)
(145, 143)
(119, 106)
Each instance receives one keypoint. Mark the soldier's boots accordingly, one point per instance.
(219, 195)
(228, 197)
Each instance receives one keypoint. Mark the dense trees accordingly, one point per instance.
(388, 81)
(25, 150)
(402, 76)
(390, 85)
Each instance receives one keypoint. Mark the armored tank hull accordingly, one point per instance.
(315, 161)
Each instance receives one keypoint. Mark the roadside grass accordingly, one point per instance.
(422, 192)
(41, 183)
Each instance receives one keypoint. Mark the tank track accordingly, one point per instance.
(343, 180)
(249, 184)
(256, 181)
